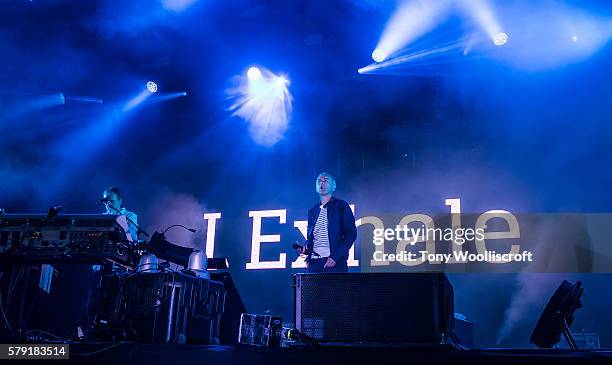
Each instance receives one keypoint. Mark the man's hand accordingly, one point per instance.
(329, 263)
(299, 249)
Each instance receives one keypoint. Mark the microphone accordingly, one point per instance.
(53, 211)
(305, 250)
(178, 225)
(103, 200)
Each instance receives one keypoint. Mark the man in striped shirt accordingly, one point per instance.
(331, 230)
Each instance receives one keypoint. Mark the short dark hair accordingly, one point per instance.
(115, 190)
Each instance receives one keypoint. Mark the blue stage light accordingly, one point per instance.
(152, 87)
(282, 81)
(253, 73)
(500, 39)
(265, 104)
(410, 20)
(378, 55)
(177, 5)
(575, 39)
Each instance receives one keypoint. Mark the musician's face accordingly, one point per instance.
(115, 202)
(325, 185)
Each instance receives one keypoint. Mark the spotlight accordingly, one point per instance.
(282, 81)
(253, 73)
(265, 104)
(574, 39)
(558, 316)
(500, 39)
(378, 55)
(152, 87)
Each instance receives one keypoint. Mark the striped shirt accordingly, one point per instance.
(321, 240)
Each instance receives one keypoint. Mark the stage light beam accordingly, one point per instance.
(410, 20)
(177, 5)
(265, 105)
(281, 81)
(483, 13)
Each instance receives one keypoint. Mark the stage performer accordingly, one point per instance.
(113, 201)
(331, 230)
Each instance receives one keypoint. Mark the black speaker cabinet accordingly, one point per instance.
(174, 308)
(374, 307)
(234, 307)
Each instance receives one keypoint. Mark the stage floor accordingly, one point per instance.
(133, 353)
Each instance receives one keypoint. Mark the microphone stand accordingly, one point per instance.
(140, 230)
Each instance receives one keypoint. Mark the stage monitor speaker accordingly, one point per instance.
(374, 307)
